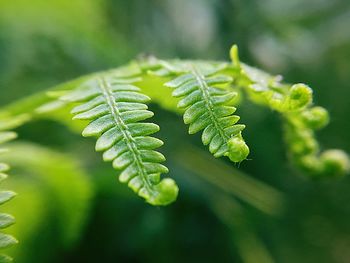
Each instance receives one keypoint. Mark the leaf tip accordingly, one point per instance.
(234, 55)
(335, 162)
(238, 149)
(167, 193)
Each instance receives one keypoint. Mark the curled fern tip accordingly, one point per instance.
(335, 162)
(238, 149)
(299, 97)
(167, 192)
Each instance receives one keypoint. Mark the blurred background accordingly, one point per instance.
(70, 207)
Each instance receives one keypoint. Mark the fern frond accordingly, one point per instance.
(115, 108)
(210, 108)
(6, 220)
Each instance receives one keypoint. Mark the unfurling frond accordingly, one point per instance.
(6, 220)
(209, 107)
(116, 108)
(301, 119)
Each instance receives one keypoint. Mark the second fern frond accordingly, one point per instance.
(210, 108)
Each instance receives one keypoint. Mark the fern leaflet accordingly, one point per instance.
(115, 107)
(6, 220)
(210, 108)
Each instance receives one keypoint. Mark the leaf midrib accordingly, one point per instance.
(204, 88)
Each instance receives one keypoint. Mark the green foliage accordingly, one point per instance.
(206, 93)
(112, 106)
(6, 220)
(303, 40)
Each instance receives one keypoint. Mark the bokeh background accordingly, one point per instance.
(70, 207)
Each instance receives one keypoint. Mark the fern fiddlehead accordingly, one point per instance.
(301, 118)
(115, 108)
(6, 220)
(210, 108)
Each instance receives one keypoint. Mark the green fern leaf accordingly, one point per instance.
(210, 108)
(116, 108)
(6, 220)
